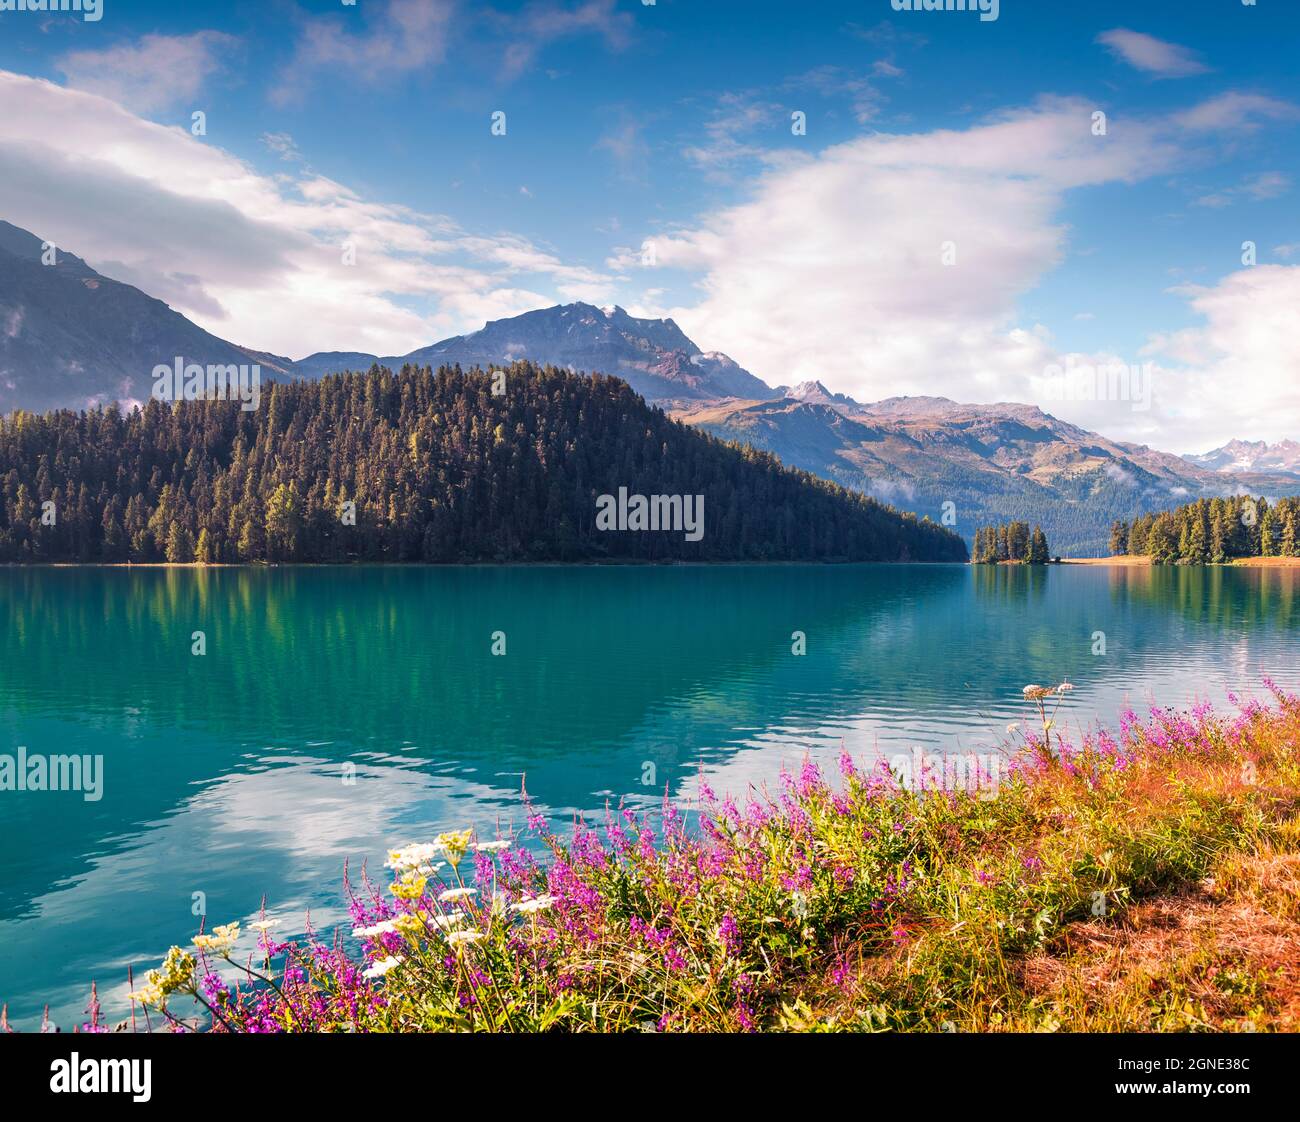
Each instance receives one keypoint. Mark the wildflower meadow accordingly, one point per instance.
(837, 902)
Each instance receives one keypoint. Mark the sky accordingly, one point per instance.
(892, 202)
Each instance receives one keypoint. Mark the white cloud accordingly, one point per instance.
(834, 268)
(157, 72)
(1152, 55)
(1238, 374)
(253, 258)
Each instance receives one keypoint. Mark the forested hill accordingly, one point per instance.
(439, 469)
(1212, 531)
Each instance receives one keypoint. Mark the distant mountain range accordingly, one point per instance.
(70, 337)
(993, 462)
(1251, 456)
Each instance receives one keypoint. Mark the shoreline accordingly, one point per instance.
(1123, 561)
(608, 564)
(1127, 561)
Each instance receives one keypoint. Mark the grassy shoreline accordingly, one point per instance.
(1146, 880)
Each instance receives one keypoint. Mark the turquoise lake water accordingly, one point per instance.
(337, 712)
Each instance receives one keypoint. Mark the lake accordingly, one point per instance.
(336, 712)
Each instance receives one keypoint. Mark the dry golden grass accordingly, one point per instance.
(1121, 560)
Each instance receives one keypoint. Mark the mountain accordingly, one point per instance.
(815, 393)
(993, 462)
(1251, 455)
(71, 337)
(439, 470)
(654, 356)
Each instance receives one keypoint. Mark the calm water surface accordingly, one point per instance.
(224, 774)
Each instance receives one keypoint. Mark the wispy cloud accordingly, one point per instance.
(547, 21)
(627, 145)
(1236, 112)
(156, 72)
(1266, 185)
(863, 95)
(282, 144)
(397, 37)
(1151, 55)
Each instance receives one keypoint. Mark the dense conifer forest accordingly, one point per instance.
(417, 466)
(1211, 531)
(1010, 541)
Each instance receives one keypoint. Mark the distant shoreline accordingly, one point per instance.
(1128, 561)
(627, 563)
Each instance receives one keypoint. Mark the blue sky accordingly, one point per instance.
(648, 160)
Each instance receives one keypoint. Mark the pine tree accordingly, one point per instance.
(180, 545)
(1038, 551)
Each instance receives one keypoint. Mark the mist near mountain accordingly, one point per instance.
(73, 338)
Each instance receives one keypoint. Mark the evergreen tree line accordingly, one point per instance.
(417, 466)
(1211, 531)
(1010, 541)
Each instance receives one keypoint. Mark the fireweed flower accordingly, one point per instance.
(729, 935)
(686, 924)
